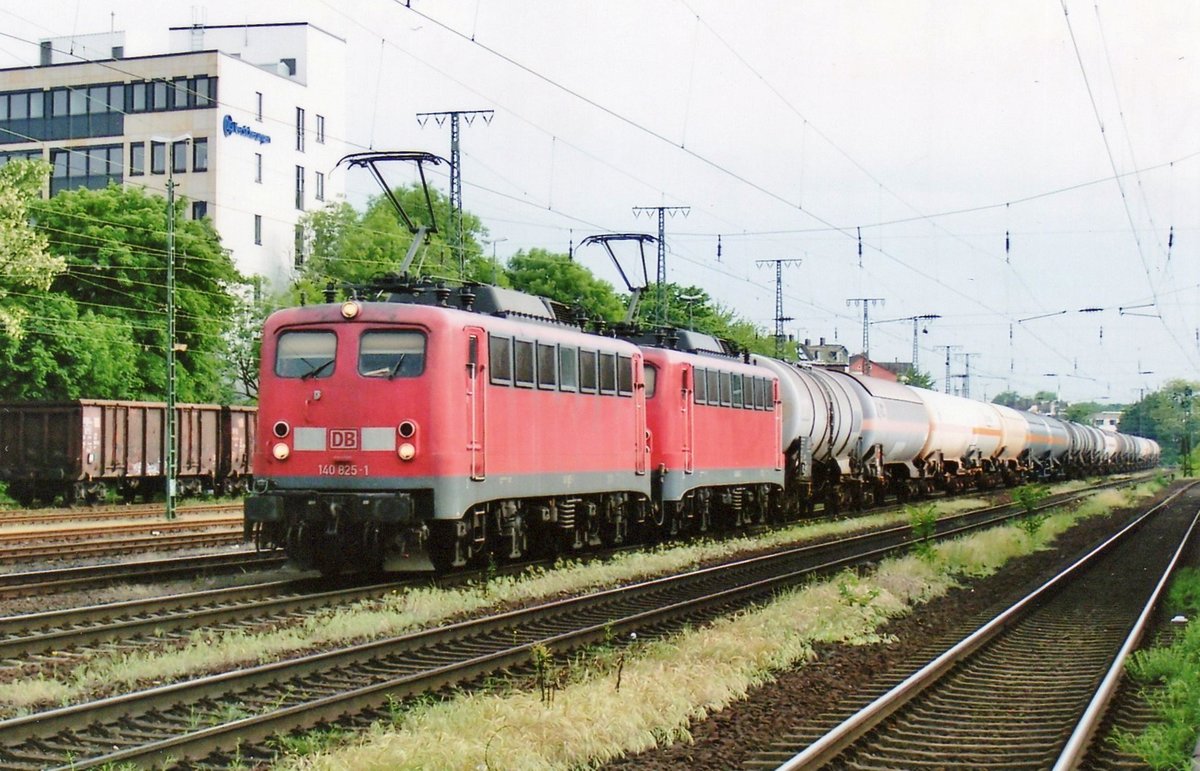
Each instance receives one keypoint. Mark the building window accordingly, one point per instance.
(258, 106)
(320, 129)
(78, 101)
(158, 95)
(137, 159)
(258, 168)
(200, 155)
(199, 210)
(137, 100)
(319, 194)
(200, 88)
(59, 102)
(158, 158)
(179, 156)
(182, 99)
(300, 187)
(258, 229)
(90, 167)
(300, 129)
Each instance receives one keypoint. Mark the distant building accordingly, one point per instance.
(831, 355)
(264, 106)
(1109, 420)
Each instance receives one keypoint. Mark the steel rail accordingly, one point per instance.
(124, 529)
(137, 511)
(1077, 745)
(65, 579)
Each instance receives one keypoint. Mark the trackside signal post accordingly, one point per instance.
(170, 428)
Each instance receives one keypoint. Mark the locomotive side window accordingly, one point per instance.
(714, 387)
(625, 376)
(500, 359)
(547, 366)
(737, 390)
(305, 354)
(587, 371)
(701, 392)
(568, 368)
(523, 363)
(651, 374)
(391, 353)
(608, 373)
(760, 390)
(726, 387)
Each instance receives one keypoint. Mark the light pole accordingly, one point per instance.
(691, 300)
(170, 429)
(495, 262)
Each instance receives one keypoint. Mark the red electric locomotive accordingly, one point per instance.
(715, 430)
(395, 431)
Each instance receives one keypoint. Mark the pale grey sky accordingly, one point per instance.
(935, 127)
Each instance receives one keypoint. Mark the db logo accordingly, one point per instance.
(343, 438)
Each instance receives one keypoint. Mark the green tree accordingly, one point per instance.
(919, 379)
(557, 277)
(114, 245)
(1081, 411)
(352, 247)
(26, 264)
(66, 353)
(1013, 399)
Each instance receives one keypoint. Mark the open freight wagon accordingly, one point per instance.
(78, 450)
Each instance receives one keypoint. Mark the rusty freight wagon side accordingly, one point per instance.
(238, 432)
(80, 449)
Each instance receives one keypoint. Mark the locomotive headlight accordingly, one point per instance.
(350, 309)
(281, 451)
(406, 451)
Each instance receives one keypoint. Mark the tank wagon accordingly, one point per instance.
(438, 427)
(78, 450)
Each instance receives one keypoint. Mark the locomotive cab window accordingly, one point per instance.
(651, 375)
(568, 368)
(500, 359)
(391, 353)
(547, 366)
(305, 355)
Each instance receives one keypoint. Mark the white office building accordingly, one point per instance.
(246, 119)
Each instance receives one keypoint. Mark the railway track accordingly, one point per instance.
(79, 632)
(15, 517)
(51, 541)
(38, 582)
(191, 720)
(1027, 689)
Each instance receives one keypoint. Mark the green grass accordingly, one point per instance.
(1174, 673)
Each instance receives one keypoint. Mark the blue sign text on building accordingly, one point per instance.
(230, 126)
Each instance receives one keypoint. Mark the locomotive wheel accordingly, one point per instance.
(447, 550)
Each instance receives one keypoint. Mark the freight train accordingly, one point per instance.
(438, 426)
(79, 450)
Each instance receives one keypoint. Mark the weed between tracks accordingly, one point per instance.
(665, 685)
(1170, 676)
